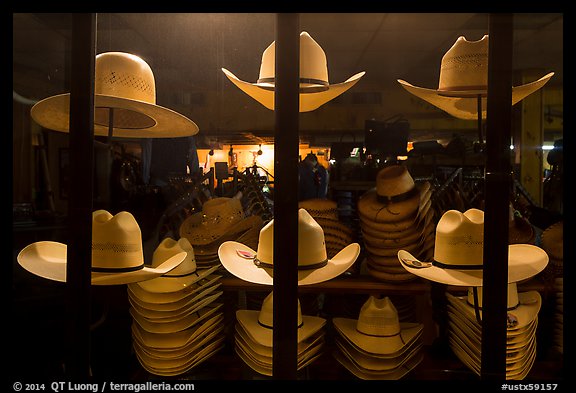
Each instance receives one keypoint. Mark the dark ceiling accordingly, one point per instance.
(187, 52)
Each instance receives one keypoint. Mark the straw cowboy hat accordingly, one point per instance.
(378, 329)
(396, 196)
(458, 253)
(171, 297)
(180, 277)
(117, 253)
(258, 324)
(388, 375)
(125, 83)
(314, 266)
(217, 216)
(315, 88)
(464, 78)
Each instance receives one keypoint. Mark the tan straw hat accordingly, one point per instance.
(125, 83)
(180, 277)
(378, 329)
(315, 88)
(314, 266)
(217, 216)
(459, 249)
(464, 77)
(396, 196)
(117, 253)
(258, 324)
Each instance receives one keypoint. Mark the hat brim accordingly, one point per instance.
(524, 261)
(174, 340)
(203, 311)
(246, 270)
(54, 113)
(365, 374)
(464, 104)
(47, 259)
(170, 297)
(379, 345)
(308, 101)
(170, 284)
(261, 335)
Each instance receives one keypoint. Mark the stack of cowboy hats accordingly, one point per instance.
(221, 219)
(253, 337)
(314, 265)
(465, 329)
(377, 346)
(394, 215)
(325, 212)
(177, 318)
(117, 253)
(552, 240)
(458, 261)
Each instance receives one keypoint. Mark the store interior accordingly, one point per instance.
(373, 124)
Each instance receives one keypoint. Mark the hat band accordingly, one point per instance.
(511, 320)
(458, 267)
(463, 88)
(323, 87)
(318, 265)
(272, 327)
(386, 200)
(195, 272)
(382, 335)
(116, 269)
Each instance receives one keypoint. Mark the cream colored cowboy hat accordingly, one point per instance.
(396, 196)
(378, 329)
(169, 312)
(258, 324)
(117, 253)
(181, 277)
(314, 266)
(315, 88)
(125, 83)
(458, 253)
(464, 77)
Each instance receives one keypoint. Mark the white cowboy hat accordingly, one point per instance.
(458, 253)
(179, 278)
(315, 88)
(464, 77)
(314, 266)
(258, 324)
(378, 329)
(125, 83)
(117, 253)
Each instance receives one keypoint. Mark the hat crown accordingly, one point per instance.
(512, 297)
(266, 314)
(313, 63)
(311, 242)
(124, 75)
(460, 238)
(116, 241)
(465, 66)
(378, 317)
(170, 247)
(394, 180)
